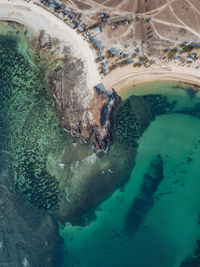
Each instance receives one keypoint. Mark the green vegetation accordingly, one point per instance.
(144, 59)
(165, 50)
(136, 64)
(109, 54)
(122, 63)
(187, 48)
(172, 52)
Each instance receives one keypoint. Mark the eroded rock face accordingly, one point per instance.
(83, 112)
(103, 105)
(27, 235)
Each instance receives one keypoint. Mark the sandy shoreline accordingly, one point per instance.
(130, 76)
(37, 18)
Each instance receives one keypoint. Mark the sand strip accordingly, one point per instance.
(37, 18)
(123, 78)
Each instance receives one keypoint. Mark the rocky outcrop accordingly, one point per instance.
(103, 105)
(44, 40)
(83, 112)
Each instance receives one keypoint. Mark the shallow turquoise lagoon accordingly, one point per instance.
(154, 220)
(168, 222)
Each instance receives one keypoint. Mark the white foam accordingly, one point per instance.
(61, 165)
(91, 159)
(25, 262)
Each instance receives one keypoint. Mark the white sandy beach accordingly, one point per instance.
(38, 19)
(125, 77)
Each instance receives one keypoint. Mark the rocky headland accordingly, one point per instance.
(90, 184)
(83, 112)
(100, 119)
(68, 185)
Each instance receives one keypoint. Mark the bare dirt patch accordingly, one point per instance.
(131, 6)
(113, 3)
(186, 13)
(166, 15)
(81, 5)
(154, 4)
(174, 33)
(99, 1)
(196, 3)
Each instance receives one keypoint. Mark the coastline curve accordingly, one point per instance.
(130, 77)
(35, 17)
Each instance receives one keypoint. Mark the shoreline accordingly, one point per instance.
(37, 18)
(131, 76)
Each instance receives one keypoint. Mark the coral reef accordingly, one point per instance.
(28, 126)
(134, 115)
(27, 235)
(131, 119)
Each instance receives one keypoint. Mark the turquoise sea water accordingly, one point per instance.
(154, 220)
(168, 226)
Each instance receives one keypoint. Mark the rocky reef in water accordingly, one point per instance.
(33, 133)
(145, 199)
(134, 115)
(28, 236)
(30, 133)
(194, 260)
(26, 109)
(111, 170)
(99, 117)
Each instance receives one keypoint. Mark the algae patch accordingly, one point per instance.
(28, 125)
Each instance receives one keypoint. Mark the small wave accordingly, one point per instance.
(91, 159)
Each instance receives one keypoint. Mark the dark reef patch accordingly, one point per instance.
(130, 120)
(193, 111)
(28, 126)
(27, 235)
(134, 115)
(145, 200)
(194, 260)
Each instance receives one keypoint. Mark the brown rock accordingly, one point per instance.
(82, 112)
